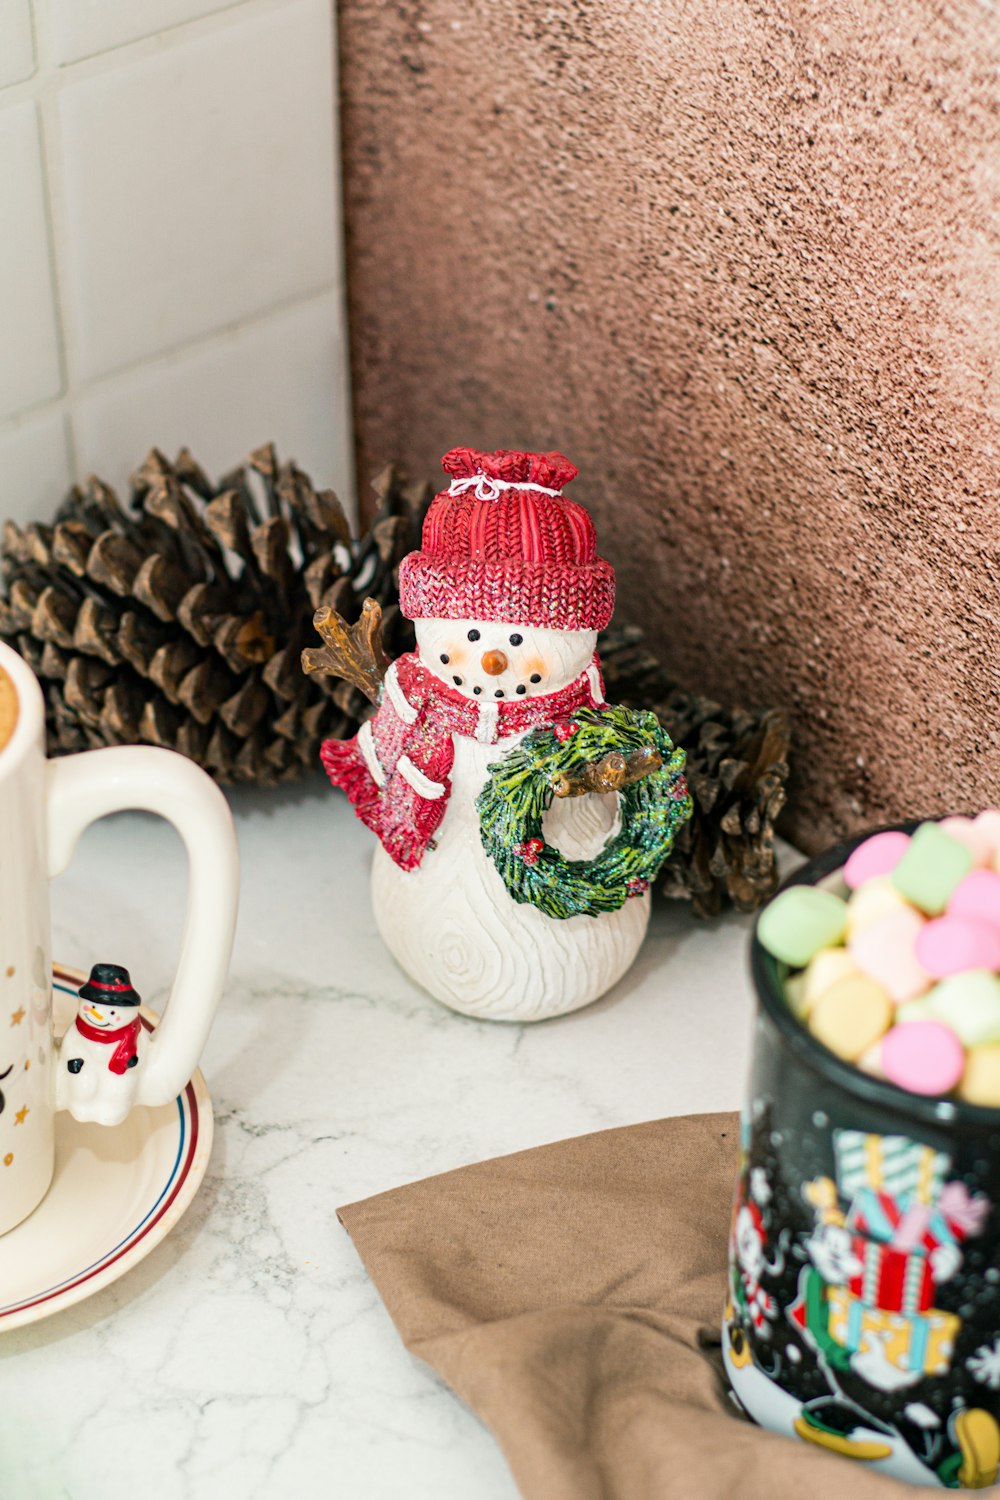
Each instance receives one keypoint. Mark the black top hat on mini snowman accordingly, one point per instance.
(104, 1035)
(110, 984)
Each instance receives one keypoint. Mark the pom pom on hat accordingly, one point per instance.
(503, 543)
(551, 470)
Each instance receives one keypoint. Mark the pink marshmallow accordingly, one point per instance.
(887, 952)
(951, 945)
(925, 1057)
(878, 855)
(977, 898)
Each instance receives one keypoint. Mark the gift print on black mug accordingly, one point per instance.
(863, 1307)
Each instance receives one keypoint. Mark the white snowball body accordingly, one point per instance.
(90, 1090)
(450, 923)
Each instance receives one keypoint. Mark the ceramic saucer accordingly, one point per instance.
(116, 1193)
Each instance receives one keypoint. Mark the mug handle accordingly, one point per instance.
(85, 787)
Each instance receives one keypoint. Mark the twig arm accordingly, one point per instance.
(610, 773)
(352, 652)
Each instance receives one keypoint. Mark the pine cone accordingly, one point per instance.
(737, 768)
(178, 619)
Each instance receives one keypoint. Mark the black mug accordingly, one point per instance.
(863, 1308)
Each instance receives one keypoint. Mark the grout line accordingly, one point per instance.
(175, 351)
(55, 210)
(40, 31)
(51, 73)
(45, 110)
(73, 391)
(59, 302)
(35, 43)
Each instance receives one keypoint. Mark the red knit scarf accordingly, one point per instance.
(454, 713)
(125, 1039)
(396, 770)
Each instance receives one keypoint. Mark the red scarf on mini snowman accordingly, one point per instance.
(396, 769)
(125, 1039)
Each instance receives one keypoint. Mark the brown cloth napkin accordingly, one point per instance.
(573, 1295)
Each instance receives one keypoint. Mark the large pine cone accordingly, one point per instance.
(178, 619)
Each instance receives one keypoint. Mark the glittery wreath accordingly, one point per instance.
(514, 800)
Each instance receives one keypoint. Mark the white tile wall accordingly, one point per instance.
(83, 28)
(35, 469)
(198, 185)
(170, 257)
(220, 399)
(17, 45)
(29, 346)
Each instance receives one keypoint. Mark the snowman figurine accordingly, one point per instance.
(98, 1061)
(494, 884)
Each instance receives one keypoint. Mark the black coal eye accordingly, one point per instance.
(516, 640)
(473, 635)
(536, 677)
(445, 659)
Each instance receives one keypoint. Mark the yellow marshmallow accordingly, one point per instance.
(851, 1016)
(825, 968)
(981, 1080)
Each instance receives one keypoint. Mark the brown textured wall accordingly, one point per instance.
(742, 263)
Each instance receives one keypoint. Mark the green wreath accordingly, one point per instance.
(520, 788)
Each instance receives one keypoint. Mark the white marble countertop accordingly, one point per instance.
(249, 1355)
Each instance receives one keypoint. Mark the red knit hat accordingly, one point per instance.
(503, 543)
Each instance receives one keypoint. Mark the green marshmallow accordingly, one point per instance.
(916, 1010)
(800, 922)
(970, 1004)
(931, 868)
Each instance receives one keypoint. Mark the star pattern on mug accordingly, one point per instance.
(21, 1115)
(17, 1016)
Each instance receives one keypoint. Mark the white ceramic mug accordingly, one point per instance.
(44, 808)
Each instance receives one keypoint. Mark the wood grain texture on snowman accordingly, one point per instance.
(742, 263)
(453, 927)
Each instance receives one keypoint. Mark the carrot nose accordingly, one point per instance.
(494, 662)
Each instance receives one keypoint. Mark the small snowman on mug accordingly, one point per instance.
(98, 1062)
